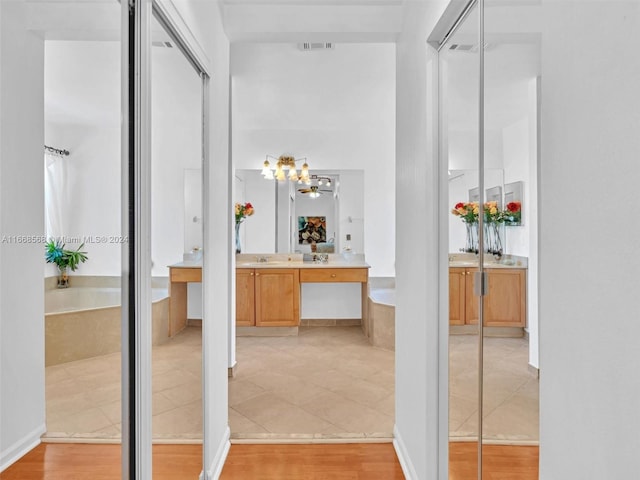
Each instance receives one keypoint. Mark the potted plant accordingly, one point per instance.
(64, 259)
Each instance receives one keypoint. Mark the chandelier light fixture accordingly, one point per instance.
(285, 167)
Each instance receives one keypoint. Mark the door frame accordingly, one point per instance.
(136, 222)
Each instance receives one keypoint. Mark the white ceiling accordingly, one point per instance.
(313, 20)
(512, 57)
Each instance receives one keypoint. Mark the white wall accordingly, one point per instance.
(92, 133)
(334, 107)
(22, 401)
(589, 329)
(421, 328)
(82, 115)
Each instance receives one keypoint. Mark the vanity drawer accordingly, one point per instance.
(186, 274)
(323, 275)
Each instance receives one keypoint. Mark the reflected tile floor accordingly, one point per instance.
(328, 382)
(83, 397)
(510, 391)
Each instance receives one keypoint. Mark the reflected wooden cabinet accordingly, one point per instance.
(267, 297)
(245, 297)
(504, 304)
(457, 278)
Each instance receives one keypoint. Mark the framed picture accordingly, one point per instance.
(312, 230)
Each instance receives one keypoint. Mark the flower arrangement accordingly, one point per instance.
(243, 211)
(513, 213)
(492, 214)
(468, 212)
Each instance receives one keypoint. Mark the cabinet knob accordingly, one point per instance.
(251, 274)
(333, 275)
(257, 274)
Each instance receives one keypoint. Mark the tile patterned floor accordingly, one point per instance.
(328, 382)
(510, 391)
(83, 397)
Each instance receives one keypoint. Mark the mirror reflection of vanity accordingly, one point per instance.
(282, 208)
(281, 211)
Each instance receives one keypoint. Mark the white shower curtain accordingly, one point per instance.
(55, 179)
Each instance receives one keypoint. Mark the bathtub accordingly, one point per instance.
(380, 325)
(85, 322)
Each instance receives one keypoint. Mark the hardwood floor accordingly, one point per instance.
(499, 462)
(355, 461)
(73, 461)
(59, 461)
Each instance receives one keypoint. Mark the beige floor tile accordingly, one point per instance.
(105, 394)
(171, 379)
(240, 424)
(63, 406)
(241, 390)
(55, 374)
(363, 392)
(294, 420)
(184, 420)
(83, 421)
(185, 393)
(162, 404)
(113, 411)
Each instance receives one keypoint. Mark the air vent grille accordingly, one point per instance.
(162, 44)
(308, 46)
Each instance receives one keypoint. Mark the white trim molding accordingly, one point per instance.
(215, 469)
(20, 448)
(403, 456)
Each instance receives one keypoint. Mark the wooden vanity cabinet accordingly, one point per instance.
(267, 297)
(277, 297)
(504, 304)
(457, 300)
(245, 297)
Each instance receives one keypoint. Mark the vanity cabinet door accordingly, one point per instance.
(472, 311)
(505, 304)
(457, 278)
(277, 297)
(245, 297)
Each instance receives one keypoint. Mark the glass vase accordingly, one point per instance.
(238, 245)
(471, 245)
(63, 277)
(493, 242)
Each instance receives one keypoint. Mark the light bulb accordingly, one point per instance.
(269, 175)
(320, 182)
(293, 175)
(266, 169)
(328, 183)
(279, 175)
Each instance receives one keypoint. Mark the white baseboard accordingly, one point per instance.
(215, 469)
(403, 457)
(20, 448)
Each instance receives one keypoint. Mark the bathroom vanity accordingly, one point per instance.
(268, 293)
(506, 300)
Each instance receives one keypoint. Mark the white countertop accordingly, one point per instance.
(470, 260)
(246, 260)
(187, 264)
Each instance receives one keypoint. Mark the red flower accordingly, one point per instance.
(248, 205)
(459, 205)
(513, 207)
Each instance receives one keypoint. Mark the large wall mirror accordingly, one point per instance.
(493, 383)
(289, 217)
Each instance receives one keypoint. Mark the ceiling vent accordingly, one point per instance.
(307, 46)
(463, 47)
(162, 44)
